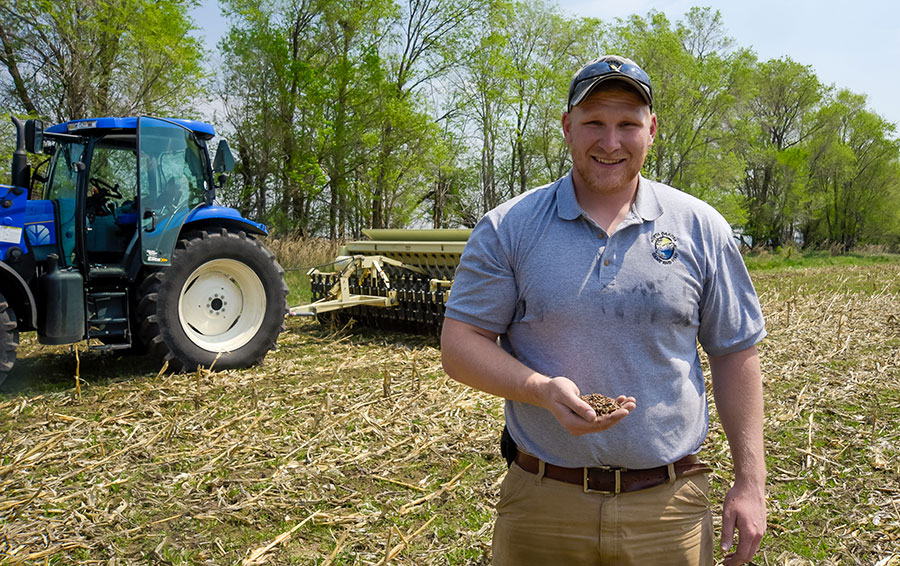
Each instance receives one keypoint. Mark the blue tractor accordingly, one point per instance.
(122, 244)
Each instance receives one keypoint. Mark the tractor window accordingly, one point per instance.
(111, 214)
(112, 186)
(183, 174)
(64, 176)
(62, 190)
(173, 180)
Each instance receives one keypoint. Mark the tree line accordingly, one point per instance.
(427, 113)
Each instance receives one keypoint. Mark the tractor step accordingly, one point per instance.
(122, 346)
(108, 322)
(106, 271)
(106, 294)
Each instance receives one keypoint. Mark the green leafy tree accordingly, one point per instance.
(298, 89)
(482, 94)
(422, 45)
(511, 95)
(537, 63)
(394, 112)
(781, 119)
(853, 175)
(68, 59)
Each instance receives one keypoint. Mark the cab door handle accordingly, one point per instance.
(151, 214)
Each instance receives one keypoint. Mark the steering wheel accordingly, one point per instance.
(104, 189)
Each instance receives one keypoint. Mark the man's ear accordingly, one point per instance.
(565, 126)
(652, 128)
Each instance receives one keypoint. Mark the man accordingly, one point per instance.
(604, 282)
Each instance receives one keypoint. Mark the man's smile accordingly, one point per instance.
(603, 161)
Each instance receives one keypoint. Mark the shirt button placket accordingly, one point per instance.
(603, 262)
(602, 236)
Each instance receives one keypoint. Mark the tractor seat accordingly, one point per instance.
(126, 215)
(125, 219)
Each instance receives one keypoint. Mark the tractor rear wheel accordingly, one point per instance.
(221, 301)
(9, 338)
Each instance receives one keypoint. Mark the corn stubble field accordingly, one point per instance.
(352, 447)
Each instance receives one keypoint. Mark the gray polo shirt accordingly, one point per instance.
(618, 315)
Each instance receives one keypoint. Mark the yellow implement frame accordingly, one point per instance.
(368, 266)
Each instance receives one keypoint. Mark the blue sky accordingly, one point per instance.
(850, 45)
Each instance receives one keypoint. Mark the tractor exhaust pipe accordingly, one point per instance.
(21, 171)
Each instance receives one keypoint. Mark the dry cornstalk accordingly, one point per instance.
(135, 460)
(337, 547)
(256, 556)
(399, 548)
(443, 489)
(400, 483)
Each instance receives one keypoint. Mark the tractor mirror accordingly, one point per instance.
(224, 160)
(34, 136)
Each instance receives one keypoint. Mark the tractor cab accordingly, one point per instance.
(122, 187)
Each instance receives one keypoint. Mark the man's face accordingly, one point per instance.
(609, 134)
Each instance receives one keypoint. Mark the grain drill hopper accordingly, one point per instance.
(397, 279)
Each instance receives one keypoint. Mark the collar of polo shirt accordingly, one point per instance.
(646, 204)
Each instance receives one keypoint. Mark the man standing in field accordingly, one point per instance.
(604, 282)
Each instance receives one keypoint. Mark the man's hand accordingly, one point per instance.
(563, 401)
(744, 511)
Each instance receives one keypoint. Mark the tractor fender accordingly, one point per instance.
(222, 217)
(19, 295)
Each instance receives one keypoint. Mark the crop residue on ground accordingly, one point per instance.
(352, 447)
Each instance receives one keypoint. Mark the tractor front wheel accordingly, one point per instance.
(221, 301)
(9, 338)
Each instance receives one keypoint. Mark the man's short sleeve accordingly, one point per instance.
(731, 319)
(484, 291)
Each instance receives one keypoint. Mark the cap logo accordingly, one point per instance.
(665, 248)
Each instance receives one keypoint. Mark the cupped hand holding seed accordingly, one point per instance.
(576, 415)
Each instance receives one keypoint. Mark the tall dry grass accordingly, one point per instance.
(296, 255)
(295, 252)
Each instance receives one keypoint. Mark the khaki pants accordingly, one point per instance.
(546, 522)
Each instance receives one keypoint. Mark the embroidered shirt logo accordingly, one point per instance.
(665, 249)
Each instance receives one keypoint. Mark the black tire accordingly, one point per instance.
(9, 338)
(223, 296)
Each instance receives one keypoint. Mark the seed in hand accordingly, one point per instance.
(601, 404)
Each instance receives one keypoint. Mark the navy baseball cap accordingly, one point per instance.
(608, 68)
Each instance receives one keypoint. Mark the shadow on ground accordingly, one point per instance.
(43, 369)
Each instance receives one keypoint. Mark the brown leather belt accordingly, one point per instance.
(615, 480)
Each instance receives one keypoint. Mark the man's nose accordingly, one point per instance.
(608, 140)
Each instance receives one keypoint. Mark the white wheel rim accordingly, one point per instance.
(222, 305)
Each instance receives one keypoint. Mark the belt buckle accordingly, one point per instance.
(618, 472)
